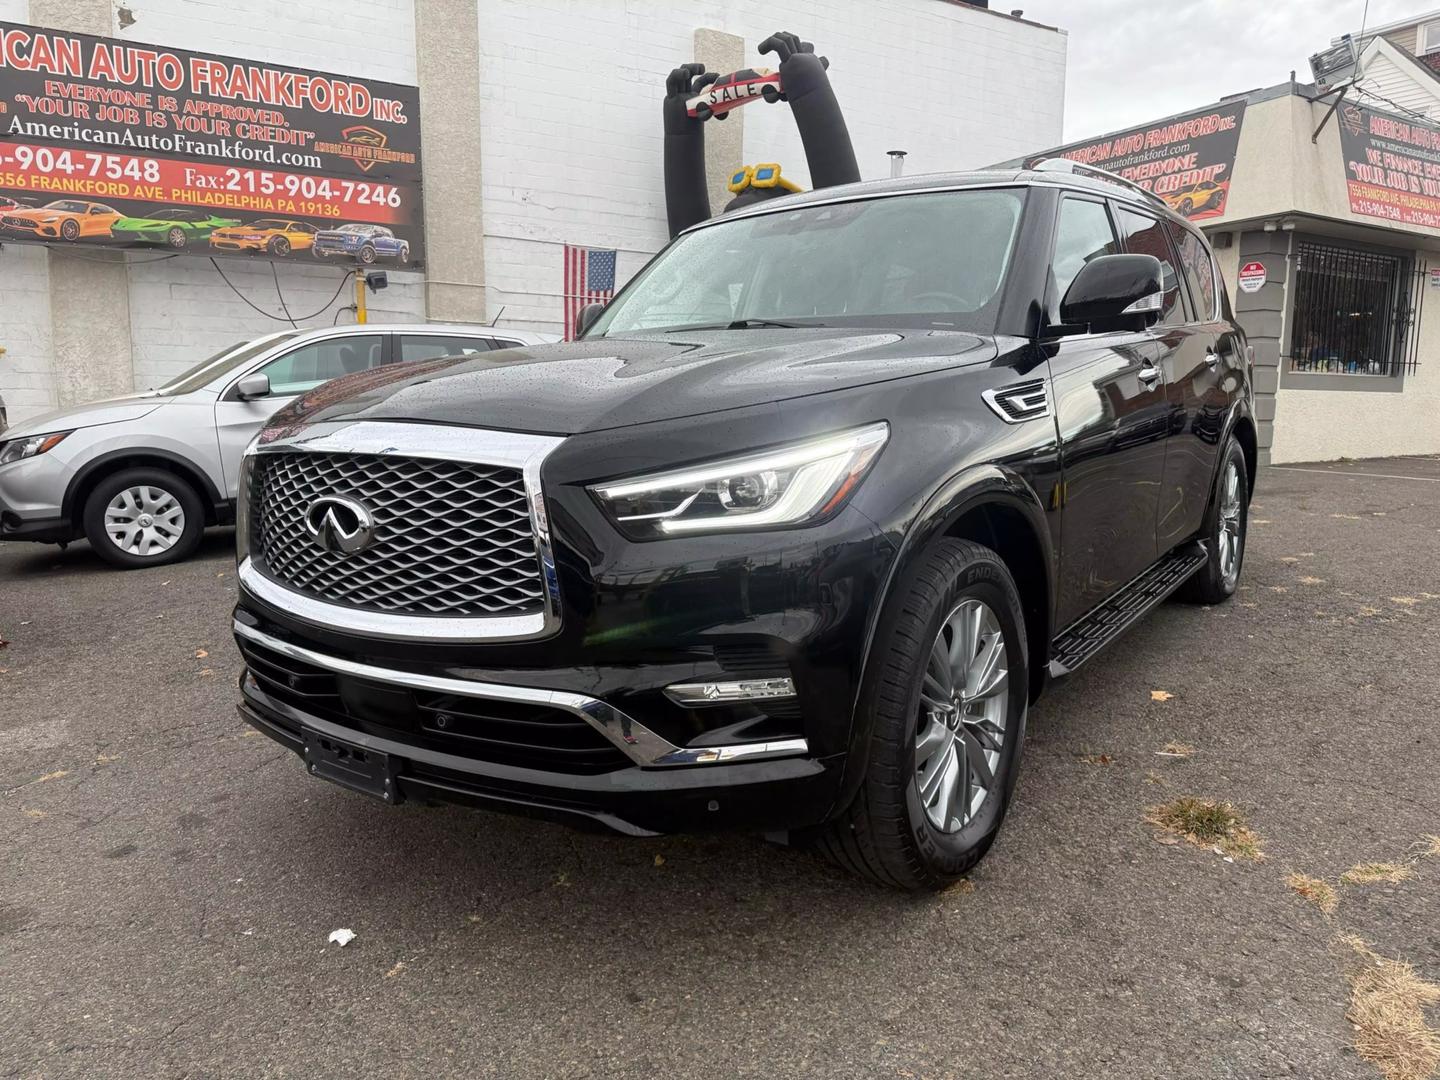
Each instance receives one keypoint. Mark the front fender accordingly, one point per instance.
(968, 490)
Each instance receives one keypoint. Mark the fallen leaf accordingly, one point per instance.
(35, 814)
(659, 860)
(200, 654)
(249, 733)
(399, 967)
(1095, 759)
(1160, 695)
(205, 671)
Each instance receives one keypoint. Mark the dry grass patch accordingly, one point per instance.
(1316, 890)
(1387, 1010)
(1372, 873)
(1209, 824)
(1175, 749)
(1428, 847)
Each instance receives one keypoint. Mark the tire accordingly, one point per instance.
(176, 238)
(1187, 207)
(70, 229)
(278, 246)
(405, 255)
(1217, 581)
(161, 490)
(888, 834)
(367, 254)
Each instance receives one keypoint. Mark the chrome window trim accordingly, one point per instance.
(641, 745)
(436, 442)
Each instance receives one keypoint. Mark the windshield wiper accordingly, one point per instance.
(745, 324)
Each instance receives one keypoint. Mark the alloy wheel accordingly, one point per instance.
(144, 520)
(964, 702)
(1230, 536)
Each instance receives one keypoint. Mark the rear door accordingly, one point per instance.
(291, 373)
(1110, 415)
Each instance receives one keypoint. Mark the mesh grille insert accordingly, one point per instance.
(451, 538)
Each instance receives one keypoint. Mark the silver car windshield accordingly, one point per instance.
(936, 260)
(222, 363)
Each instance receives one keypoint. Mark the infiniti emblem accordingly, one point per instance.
(336, 523)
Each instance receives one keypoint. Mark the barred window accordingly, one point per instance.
(1355, 311)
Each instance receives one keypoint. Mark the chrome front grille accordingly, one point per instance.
(451, 538)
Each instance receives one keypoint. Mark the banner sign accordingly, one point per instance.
(1392, 166)
(1186, 160)
(105, 142)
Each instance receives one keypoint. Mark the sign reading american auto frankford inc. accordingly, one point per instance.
(1392, 165)
(1187, 160)
(109, 142)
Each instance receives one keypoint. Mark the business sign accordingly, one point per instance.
(1252, 277)
(1392, 166)
(1186, 160)
(105, 142)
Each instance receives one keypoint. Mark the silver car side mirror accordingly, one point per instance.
(253, 386)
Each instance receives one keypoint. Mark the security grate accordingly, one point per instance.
(450, 538)
(1357, 312)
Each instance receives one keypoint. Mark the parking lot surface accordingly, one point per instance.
(168, 879)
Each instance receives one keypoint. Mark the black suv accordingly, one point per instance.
(788, 541)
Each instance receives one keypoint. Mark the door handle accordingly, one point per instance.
(1212, 357)
(1149, 373)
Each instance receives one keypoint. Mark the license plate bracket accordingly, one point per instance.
(350, 765)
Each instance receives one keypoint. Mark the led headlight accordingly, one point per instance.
(789, 485)
(19, 449)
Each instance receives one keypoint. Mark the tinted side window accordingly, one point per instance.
(1146, 236)
(1082, 233)
(310, 365)
(1199, 271)
(430, 346)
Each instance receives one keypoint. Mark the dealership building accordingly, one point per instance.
(1324, 212)
(538, 130)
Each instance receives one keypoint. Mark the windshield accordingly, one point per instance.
(936, 261)
(266, 223)
(357, 228)
(68, 206)
(223, 362)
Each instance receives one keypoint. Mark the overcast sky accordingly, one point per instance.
(1131, 61)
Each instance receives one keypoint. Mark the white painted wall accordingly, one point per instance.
(571, 92)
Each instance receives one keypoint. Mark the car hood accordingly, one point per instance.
(601, 383)
(109, 411)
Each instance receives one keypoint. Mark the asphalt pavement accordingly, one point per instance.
(168, 879)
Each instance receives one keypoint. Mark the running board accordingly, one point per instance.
(1090, 633)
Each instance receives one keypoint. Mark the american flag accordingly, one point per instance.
(589, 279)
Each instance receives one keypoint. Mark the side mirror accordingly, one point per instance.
(585, 318)
(252, 386)
(1114, 292)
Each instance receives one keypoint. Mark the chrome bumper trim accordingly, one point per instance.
(729, 693)
(636, 741)
(453, 629)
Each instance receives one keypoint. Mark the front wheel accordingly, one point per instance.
(143, 517)
(946, 694)
(176, 237)
(1226, 522)
(278, 246)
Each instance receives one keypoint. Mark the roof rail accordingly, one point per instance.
(1077, 168)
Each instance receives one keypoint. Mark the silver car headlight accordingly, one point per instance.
(31, 446)
(787, 486)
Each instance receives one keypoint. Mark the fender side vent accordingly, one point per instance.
(1020, 402)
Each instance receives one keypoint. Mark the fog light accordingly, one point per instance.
(729, 693)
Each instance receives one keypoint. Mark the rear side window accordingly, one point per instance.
(1146, 236)
(1199, 271)
(431, 346)
(1082, 233)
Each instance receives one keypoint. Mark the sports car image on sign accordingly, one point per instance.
(733, 90)
(274, 236)
(364, 242)
(64, 219)
(1197, 199)
(175, 227)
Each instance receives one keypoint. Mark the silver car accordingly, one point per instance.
(141, 476)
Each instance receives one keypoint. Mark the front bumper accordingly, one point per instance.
(32, 494)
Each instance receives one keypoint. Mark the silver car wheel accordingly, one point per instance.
(144, 520)
(1230, 536)
(964, 703)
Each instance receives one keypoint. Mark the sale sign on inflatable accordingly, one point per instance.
(112, 143)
